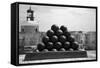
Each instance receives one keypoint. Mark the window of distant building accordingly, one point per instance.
(22, 30)
(36, 30)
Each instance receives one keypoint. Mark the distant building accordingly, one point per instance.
(87, 40)
(91, 40)
(79, 36)
(29, 34)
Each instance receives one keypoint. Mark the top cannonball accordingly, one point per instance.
(50, 33)
(54, 27)
(63, 28)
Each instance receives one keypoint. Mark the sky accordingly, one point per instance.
(75, 19)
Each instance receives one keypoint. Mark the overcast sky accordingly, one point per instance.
(75, 19)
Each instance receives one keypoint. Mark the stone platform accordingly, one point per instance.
(55, 55)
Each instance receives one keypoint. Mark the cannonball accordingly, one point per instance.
(54, 39)
(74, 46)
(55, 50)
(54, 27)
(59, 32)
(40, 46)
(66, 45)
(62, 38)
(58, 45)
(45, 39)
(45, 50)
(49, 46)
(71, 39)
(62, 49)
(67, 34)
(50, 33)
(63, 28)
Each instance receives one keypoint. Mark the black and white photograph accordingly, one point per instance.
(56, 34)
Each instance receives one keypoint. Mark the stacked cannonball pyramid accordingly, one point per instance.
(57, 39)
